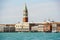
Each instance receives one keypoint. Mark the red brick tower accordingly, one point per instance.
(25, 14)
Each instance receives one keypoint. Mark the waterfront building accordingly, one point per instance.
(58, 26)
(9, 28)
(37, 26)
(22, 26)
(25, 26)
(54, 27)
(47, 27)
(40, 28)
(34, 28)
(2, 27)
(18, 27)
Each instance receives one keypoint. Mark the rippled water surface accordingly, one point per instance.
(29, 36)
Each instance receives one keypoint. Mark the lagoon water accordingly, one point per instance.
(29, 36)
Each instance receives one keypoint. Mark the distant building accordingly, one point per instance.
(2, 27)
(47, 27)
(22, 26)
(58, 26)
(40, 28)
(18, 27)
(54, 27)
(9, 28)
(34, 28)
(37, 26)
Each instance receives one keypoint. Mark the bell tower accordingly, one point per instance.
(25, 14)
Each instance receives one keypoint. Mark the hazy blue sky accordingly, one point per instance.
(11, 11)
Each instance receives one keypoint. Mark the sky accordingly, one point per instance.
(11, 11)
